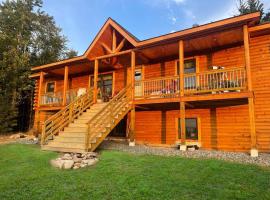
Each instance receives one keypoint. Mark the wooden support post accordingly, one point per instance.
(96, 81)
(41, 79)
(132, 113)
(132, 127)
(182, 104)
(183, 124)
(181, 67)
(65, 86)
(133, 64)
(253, 137)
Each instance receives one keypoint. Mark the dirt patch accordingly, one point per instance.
(5, 139)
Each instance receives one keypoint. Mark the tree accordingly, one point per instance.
(250, 6)
(28, 37)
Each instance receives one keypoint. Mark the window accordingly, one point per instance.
(189, 66)
(50, 86)
(138, 75)
(191, 129)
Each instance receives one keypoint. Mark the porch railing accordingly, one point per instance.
(56, 99)
(158, 87)
(51, 99)
(224, 80)
(215, 81)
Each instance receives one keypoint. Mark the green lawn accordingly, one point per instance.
(25, 173)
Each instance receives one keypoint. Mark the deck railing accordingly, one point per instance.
(51, 99)
(158, 87)
(215, 81)
(222, 80)
(56, 99)
(61, 119)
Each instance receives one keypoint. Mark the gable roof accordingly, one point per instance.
(229, 22)
(110, 22)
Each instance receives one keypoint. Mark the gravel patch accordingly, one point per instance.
(244, 158)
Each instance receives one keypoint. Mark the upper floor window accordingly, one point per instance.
(189, 66)
(50, 86)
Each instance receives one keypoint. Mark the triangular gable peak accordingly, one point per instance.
(111, 39)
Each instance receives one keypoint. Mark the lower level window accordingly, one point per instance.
(191, 128)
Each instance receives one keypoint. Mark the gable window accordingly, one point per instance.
(191, 128)
(50, 87)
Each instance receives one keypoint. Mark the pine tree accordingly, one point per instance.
(250, 6)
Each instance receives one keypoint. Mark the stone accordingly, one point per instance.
(91, 154)
(76, 167)
(92, 162)
(183, 147)
(131, 144)
(68, 164)
(77, 164)
(84, 161)
(57, 163)
(77, 160)
(254, 153)
(191, 148)
(83, 165)
(67, 156)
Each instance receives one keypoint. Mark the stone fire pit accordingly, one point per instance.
(75, 160)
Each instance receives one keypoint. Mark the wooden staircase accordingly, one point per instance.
(87, 125)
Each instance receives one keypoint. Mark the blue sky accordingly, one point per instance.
(82, 19)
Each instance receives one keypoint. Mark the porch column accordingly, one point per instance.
(96, 81)
(183, 146)
(65, 86)
(133, 64)
(41, 79)
(37, 112)
(254, 150)
(132, 112)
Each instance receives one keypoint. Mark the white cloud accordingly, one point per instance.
(173, 19)
(189, 14)
(179, 1)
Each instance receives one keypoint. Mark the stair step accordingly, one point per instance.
(79, 125)
(76, 129)
(67, 145)
(79, 120)
(70, 139)
(60, 149)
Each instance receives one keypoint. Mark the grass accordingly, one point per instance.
(25, 173)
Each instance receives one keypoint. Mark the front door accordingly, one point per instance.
(105, 82)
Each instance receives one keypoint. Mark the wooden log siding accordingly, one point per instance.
(221, 128)
(260, 70)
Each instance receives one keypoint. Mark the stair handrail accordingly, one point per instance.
(104, 116)
(57, 122)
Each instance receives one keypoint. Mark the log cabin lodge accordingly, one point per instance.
(206, 86)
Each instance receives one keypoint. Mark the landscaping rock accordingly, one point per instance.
(67, 156)
(92, 161)
(75, 160)
(57, 163)
(68, 164)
